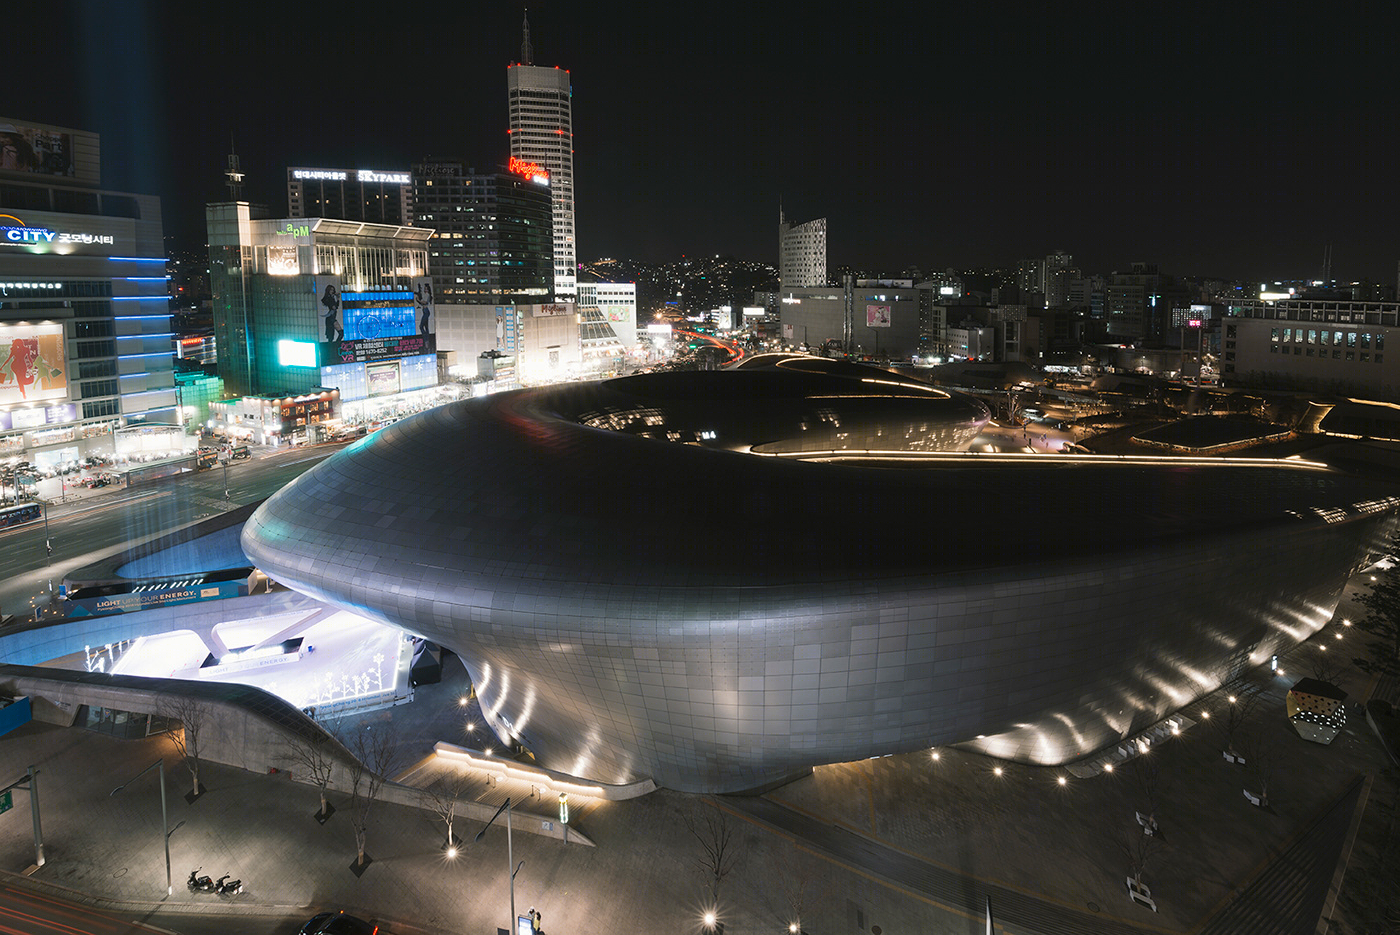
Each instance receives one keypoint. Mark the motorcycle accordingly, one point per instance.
(200, 883)
(231, 888)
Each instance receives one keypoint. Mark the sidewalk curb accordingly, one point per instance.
(151, 908)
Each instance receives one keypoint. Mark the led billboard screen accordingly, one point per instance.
(32, 364)
(361, 326)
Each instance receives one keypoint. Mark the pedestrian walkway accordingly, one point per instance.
(1014, 911)
(1287, 897)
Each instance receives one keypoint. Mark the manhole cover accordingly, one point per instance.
(875, 930)
(1093, 907)
(119, 873)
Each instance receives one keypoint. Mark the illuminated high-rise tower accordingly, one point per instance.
(541, 132)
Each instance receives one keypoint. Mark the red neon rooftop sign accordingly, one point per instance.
(530, 170)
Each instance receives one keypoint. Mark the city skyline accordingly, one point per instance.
(1212, 146)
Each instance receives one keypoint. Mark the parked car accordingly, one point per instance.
(338, 923)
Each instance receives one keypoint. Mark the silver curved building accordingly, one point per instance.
(718, 580)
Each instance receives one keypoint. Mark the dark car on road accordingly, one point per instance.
(338, 923)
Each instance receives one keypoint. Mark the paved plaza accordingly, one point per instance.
(904, 843)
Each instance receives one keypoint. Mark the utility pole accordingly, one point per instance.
(30, 783)
(510, 856)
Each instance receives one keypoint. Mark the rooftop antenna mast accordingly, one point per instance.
(527, 53)
(233, 178)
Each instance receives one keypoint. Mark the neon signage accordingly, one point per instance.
(392, 178)
(26, 234)
(530, 170)
(296, 230)
(332, 175)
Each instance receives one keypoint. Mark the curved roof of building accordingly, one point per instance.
(516, 484)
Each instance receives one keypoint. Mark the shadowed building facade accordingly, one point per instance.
(719, 580)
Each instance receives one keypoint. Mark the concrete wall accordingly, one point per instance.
(243, 727)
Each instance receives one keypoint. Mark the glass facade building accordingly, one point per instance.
(85, 323)
(542, 133)
(492, 241)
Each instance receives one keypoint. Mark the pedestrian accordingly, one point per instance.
(538, 923)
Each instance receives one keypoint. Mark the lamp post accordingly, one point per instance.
(48, 550)
(510, 855)
(164, 820)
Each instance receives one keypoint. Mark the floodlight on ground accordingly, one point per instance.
(452, 853)
(709, 918)
(1062, 780)
(462, 702)
(794, 928)
(1232, 699)
(935, 755)
(1108, 767)
(1205, 715)
(1339, 636)
(997, 770)
(1346, 623)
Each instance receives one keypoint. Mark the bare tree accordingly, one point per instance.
(373, 753)
(1147, 771)
(1381, 625)
(799, 889)
(1262, 760)
(442, 797)
(1324, 665)
(193, 715)
(1236, 708)
(314, 753)
(1136, 848)
(718, 850)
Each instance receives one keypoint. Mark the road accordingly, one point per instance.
(32, 912)
(80, 528)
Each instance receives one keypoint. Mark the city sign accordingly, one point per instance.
(342, 175)
(391, 178)
(7, 801)
(530, 170)
(23, 234)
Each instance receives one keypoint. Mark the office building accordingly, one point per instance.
(542, 135)
(492, 240)
(618, 302)
(1059, 273)
(1318, 345)
(352, 194)
(801, 254)
(801, 637)
(871, 317)
(85, 336)
(303, 305)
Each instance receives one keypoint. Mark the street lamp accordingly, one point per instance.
(510, 855)
(164, 820)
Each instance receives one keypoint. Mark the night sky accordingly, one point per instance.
(1236, 145)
